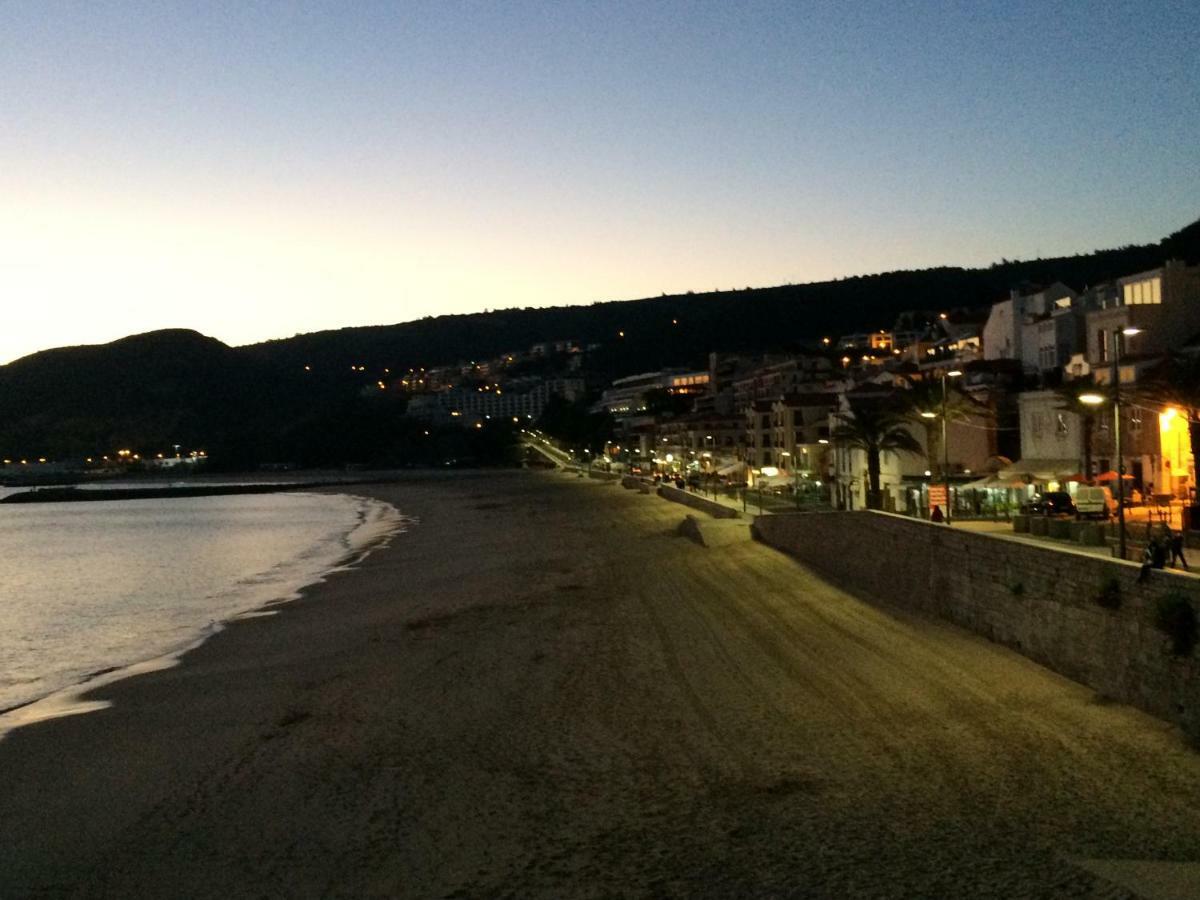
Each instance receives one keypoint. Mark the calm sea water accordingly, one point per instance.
(90, 587)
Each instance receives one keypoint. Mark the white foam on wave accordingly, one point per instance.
(377, 523)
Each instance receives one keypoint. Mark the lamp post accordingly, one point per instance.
(794, 465)
(1093, 399)
(953, 373)
(1116, 391)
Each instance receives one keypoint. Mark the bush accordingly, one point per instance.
(1110, 595)
(1175, 617)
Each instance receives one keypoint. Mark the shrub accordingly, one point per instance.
(1110, 595)
(1175, 617)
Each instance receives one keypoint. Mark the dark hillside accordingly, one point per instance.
(260, 402)
(751, 319)
(146, 391)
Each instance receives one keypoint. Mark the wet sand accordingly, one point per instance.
(541, 691)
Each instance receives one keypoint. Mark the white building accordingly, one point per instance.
(1005, 335)
(1052, 439)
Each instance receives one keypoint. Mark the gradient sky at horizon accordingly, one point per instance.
(254, 170)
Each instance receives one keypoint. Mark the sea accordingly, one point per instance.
(93, 591)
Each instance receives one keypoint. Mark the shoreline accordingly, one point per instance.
(543, 691)
(362, 538)
(80, 492)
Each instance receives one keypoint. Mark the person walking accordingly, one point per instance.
(1176, 539)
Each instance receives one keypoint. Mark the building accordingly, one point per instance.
(800, 431)
(1005, 335)
(628, 396)
(1164, 303)
(775, 378)
(1053, 439)
(523, 399)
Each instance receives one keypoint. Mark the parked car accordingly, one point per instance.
(1094, 502)
(1051, 503)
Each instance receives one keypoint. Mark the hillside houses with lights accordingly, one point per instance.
(990, 398)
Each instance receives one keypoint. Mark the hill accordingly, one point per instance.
(300, 399)
(743, 320)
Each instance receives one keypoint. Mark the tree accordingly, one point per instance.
(875, 428)
(1176, 382)
(924, 396)
(574, 423)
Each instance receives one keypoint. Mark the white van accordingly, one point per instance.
(1094, 502)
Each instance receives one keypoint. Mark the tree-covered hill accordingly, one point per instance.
(682, 328)
(304, 398)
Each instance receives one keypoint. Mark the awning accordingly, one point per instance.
(995, 482)
(1039, 469)
(1111, 475)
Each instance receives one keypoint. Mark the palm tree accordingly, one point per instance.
(875, 428)
(924, 396)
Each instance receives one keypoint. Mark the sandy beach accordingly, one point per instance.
(540, 690)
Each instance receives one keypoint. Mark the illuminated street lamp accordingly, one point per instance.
(1095, 399)
(953, 373)
(929, 414)
(795, 467)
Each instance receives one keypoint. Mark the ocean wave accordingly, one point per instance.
(175, 624)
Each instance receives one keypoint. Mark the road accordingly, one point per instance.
(542, 691)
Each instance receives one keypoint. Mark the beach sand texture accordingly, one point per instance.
(540, 690)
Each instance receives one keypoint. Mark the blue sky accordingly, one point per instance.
(254, 170)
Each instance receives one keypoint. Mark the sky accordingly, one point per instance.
(256, 169)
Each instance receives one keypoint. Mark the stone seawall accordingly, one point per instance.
(695, 501)
(636, 483)
(1043, 602)
(603, 476)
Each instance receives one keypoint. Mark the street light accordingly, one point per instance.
(1094, 399)
(795, 466)
(953, 373)
(929, 414)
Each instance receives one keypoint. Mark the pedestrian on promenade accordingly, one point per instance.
(935, 514)
(1154, 556)
(1177, 549)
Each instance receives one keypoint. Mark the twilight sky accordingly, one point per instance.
(257, 169)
